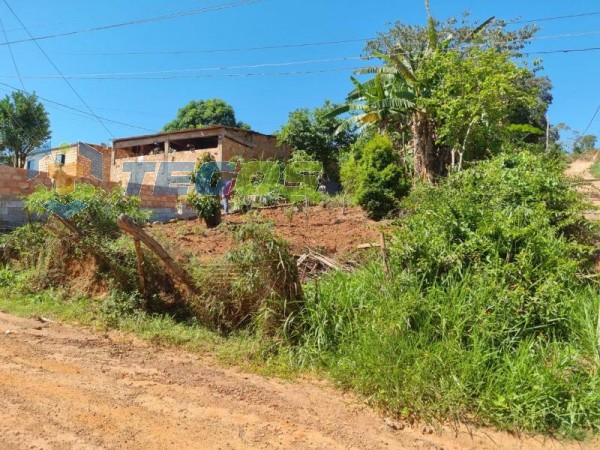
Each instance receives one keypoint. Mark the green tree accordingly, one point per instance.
(476, 93)
(204, 113)
(319, 134)
(587, 143)
(535, 114)
(24, 126)
(375, 178)
(432, 75)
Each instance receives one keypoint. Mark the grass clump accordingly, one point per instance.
(595, 170)
(490, 315)
(254, 285)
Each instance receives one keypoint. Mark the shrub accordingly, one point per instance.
(100, 212)
(376, 178)
(24, 243)
(57, 258)
(491, 313)
(256, 284)
(207, 207)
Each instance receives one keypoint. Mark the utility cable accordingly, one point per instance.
(135, 22)
(58, 70)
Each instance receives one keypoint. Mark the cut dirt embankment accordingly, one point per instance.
(334, 232)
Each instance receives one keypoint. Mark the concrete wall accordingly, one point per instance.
(12, 214)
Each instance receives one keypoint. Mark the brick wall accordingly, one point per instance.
(251, 146)
(149, 200)
(14, 184)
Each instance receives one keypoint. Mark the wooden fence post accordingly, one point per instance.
(384, 253)
(127, 224)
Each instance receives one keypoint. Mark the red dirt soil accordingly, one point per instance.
(67, 387)
(330, 231)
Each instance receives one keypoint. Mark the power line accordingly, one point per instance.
(219, 8)
(591, 121)
(546, 19)
(58, 70)
(127, 75)
(227, 75)
(12, 56)
(18, 122)
(136, 22)
(239, 75)
(95, 19)
(76, 110)
(221, 50)
(137, 75)
(271, 47)
(565, 35)
(568, 50)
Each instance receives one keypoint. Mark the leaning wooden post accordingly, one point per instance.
(127, 224)
(140, 264)
(69, 224)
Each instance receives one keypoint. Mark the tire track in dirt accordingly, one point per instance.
(70, 388)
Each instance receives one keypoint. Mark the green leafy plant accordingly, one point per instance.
(376, 178)
(207, 207)
(100, 208)
(490, 312)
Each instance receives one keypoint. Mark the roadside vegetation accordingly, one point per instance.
(595, 170)
(490, 312)
(486, 307)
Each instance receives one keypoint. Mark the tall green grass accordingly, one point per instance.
(595, 170)
(437, 352)
(490, 315)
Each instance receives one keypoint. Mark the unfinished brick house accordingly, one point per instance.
(78, 161)
(108, 166)
(223, 143)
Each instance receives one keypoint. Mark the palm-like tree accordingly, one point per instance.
(395, 99)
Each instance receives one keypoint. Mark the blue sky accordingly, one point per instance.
(260, 100)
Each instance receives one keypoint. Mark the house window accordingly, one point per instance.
(60, 159)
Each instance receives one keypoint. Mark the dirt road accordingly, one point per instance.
(70, 388)
(589, 186)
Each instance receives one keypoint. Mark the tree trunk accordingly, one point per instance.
(431, 161)
(424, 146)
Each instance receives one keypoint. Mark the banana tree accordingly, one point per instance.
(395, 99)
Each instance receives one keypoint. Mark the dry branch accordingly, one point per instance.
(127, 224)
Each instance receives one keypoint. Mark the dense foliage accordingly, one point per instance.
(204, 113)
(321, 136)
(24, 126)
(491, 309)
(375, 178)
(447, 93)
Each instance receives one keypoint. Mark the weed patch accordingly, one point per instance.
(491, 313)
